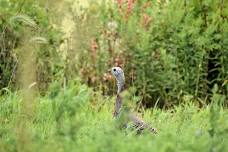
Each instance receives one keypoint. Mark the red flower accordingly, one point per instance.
(130, 5)
(119, 3)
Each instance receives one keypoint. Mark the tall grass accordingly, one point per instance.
(66, 120)
(30, 18)
(27, 85)
(173, 54)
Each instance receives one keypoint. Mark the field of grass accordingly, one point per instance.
(78, 119)
(57, 93)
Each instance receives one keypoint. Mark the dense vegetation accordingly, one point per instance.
(25, 28)
(78, 119)
(57, 92)
(169, 50)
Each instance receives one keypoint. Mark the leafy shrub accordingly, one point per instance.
(23, 26)
(168, 49)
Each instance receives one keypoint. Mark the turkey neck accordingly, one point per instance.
(120, 85)
(118, 103)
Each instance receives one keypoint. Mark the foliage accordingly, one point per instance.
(66, 120)
(174, 54)
(168, 49)
(26, 26)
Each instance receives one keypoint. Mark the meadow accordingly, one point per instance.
(57, 92)
(66, 120)
(78, 119)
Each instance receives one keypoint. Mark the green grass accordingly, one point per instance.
(78, 119)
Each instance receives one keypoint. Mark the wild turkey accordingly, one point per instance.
(139, 124)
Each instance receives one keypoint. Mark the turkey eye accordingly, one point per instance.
(114, 69)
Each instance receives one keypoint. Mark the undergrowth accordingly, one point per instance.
(78, 119)
(174, 54)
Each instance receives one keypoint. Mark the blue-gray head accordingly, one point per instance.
(118, 73)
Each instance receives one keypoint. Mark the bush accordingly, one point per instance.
(26, 26)
(168, 49)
